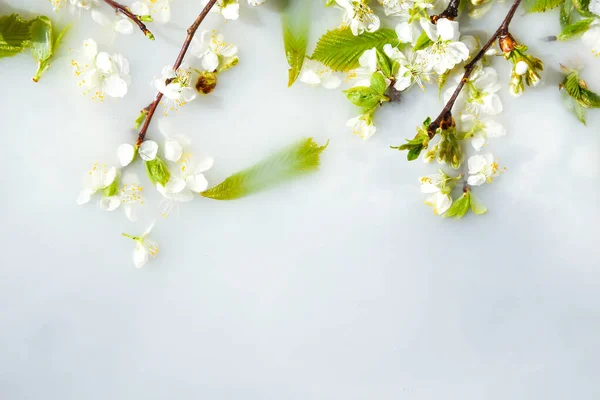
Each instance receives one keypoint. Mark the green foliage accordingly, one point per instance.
(15, 35)
(366, 97)
(575, 29)
(422, 42)
(157, 171)
(566, 13)
(295, 24)
(112, 189)
(583, 8)
(542, 5)
(459, 207)
(576, 95)
(340, 50)
(378, 83)
(574, 107)
(384, 63)
(417, 144)
(298, 159)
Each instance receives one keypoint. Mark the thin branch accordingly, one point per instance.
(507, 43)
(451, 12)
(134, 18)
(191, 31)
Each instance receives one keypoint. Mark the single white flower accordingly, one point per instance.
(191, 179)
(100, 73)
(175, 144)
(179, 90)
(117, 23)
(411, 71)
(148, 150)
(229, 9)
(479, 95)
(130, 195)
(438, 186)
(479, 129)
(316, 74)
(144, 247)
(446, 50)
(362, 126)
(591, 38)
(482, 169)
(359, 16)
(100, 179)
(212, 50)
(361, 76)
(159, 10)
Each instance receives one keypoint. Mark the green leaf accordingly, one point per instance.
(295, 24)
(59, 38)
(566, 12)
(293, 161)
(575, 29)
(460, 207)
(583, 8)
(112, 189)
(340, 50)
(42, 42)
(574, 107)
(542, 5)
(378, 83)
(364, 96)
(14, 35)
(157, 171)
(422, 42)
(384, 63)
(477, 207)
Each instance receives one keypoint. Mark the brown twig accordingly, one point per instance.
(191, 31)
(451, 12)
(134, 18)
(444, 120)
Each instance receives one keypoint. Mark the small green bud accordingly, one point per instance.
(145, 18)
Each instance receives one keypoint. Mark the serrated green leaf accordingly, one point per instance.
(422, 42)
(364, 96)
(566, 13)
(14, 35)
(293, 161)
(295, 24)
(157, 171)
(575, 29)
(460, 207)
(384, 63)
(542, 5)
(42, 42)
(577, 89)
(574, 107)
(340, 50)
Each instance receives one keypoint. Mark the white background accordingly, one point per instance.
(340, 285)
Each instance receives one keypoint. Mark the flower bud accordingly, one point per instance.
(521, 67)
(206, 82)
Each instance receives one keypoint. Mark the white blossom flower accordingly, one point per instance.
(99, 179)
(130, 195)
(446, 50)
(479, 129)
(159, 10)
(362, 126)
(179, 90)
(117, 23)
(591, 38)
(229, 9)
(175, 144)
(411, 71)
(144, 247)
(394, 7)
(191, 179)
(100, 73)
(482, 169)
(316, 74)
(479, 93)
(359, 16)
(368, 65)
(438, 186)
(212, 50)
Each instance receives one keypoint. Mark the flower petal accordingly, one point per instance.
(114, 86)
(124, 26)
(231, 11)
(90, 48)
(109, 203)
(148, 150)
(204, 165)
(197, 183)
(140, 8)
(476, 163)
(101, 18)
(125, 153)
(140, 256)
(330, 81)
(84, 196)
(173, 150)
(448, 30)
(210, 61)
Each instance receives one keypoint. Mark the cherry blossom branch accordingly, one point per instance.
(191, 31)
(451, 12)
(507, 43)
(134, 18)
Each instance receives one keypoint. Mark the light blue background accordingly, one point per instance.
(341, 285)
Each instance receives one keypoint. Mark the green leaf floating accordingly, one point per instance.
(340, 50)
(575, 29)
(293, 161)
(543, 5)
(295, 24)
(14, 35)
(577, 97)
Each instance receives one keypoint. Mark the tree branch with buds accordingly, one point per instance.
(136, 19)
(191, 31)
(451, 12)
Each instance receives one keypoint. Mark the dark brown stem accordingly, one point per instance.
(134, 18)
(451, 12)
(506, 41)
(191, 31)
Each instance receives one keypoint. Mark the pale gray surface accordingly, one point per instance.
(342, 285)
